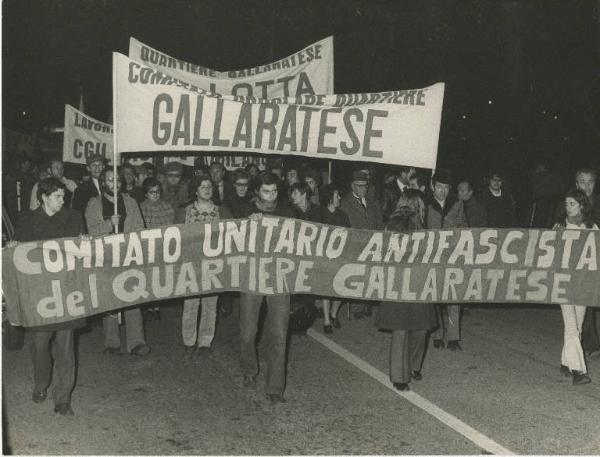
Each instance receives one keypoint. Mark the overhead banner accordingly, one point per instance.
(85, 137)
(156, 112)
(306, 72)
(59, 280)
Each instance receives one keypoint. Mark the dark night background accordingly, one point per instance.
(522, 77)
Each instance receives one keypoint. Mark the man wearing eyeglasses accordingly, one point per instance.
(238, 201)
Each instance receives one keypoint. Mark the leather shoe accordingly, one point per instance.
(564, 370)
(38, 396)
(416, 375)
(275, 398)
(580, 378)
(335, 322)
(438, 344)
(249, 382)
(403, 386)
(64, 409)
(454, 346)
(112, 351)
(140, 349)
(328, 329)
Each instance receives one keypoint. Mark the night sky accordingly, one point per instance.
(523, 77)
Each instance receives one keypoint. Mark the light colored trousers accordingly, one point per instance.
(572, 352)
(191, 332)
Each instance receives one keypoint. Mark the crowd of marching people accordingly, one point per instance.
(48, 205)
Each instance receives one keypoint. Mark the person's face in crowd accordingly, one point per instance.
(140, 177)
(128, 176)
(216, 173)
(496, 183)
(413, 182)
(253, 170)
(153, 194)
(360, 188)
(277, 172)
(54, 202)
(96, 168)
(406, 175)
(112, 183)
(464, 191)
(291, 177)
(149, 172)
(25, 166)
(267, 193)
(572, 207)
(336, 199)
(173, 179)
(57, 169)
(43, 174)
(241, 187)
(367, 172)
(440, 191)
(298, 198)
(205, 190)
(311, 183)
(585, 182)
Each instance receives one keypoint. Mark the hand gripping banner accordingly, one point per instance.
(154, 111)
(85, 137)
(306, 72)
(53, 281)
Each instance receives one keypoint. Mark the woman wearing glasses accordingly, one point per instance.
(156, 213)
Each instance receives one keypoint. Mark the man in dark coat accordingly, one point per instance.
(394, 189)
(364, 212)
(91, 187)
(473, 210)
(50, 221)
(499, 203)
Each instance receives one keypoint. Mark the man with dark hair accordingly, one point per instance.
(217, 175)
(175, 190)
(56, 169)
(499, 203)
(393, 190)
(91, 187)
(443, 211)
(278, 313)
(473, 209)
(101, 220)
(238, 201)
(51, 220)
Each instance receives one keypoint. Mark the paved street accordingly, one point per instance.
(505, 386)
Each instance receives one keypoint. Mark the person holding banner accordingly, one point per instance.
(331, 214)
(101, 220)
(409, 322)
(444, 211)
(91, 187)
(278, 313)
(156, 213)
(578, 217)
(198, 339)
(51, 220)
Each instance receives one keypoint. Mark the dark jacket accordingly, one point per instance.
(37, 225)
(371, 218)
(500, 210)
(83, 194)
(238, 206)
(450, 216)
(391, 195)
(475, 213)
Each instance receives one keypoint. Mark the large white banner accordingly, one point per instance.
(157, 112)
(309, 71)
(85, 137)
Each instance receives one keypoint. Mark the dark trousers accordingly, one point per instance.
(406, 353)
(589, 333)
(64, 362)
(274, 334)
